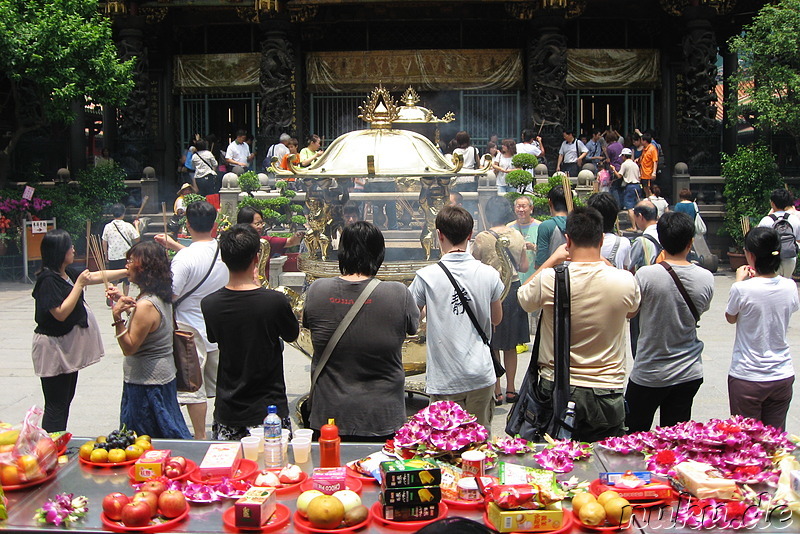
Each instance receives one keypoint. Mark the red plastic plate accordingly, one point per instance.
(304, 525)
(464, 505)
(596, 488)
(364, 478)
(353, 484)
(566, 527)
(191, 467)
(106, 464)
(278, 520)
(17, 487)
(376, 511)
(243, 470)
(283, 489)
(160, 526)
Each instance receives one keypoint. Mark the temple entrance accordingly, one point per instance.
(624, 110)
(220, 115)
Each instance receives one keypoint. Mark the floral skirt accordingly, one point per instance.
(153, 410)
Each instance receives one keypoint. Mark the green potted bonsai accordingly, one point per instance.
(750, 174)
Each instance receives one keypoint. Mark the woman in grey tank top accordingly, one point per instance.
(149, 392)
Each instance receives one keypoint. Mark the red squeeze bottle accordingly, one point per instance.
(329, 442)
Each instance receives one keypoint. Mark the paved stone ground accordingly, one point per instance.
(95, 409)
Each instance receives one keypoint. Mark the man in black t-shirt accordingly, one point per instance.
(248, 322)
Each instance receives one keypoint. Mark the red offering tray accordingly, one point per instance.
(377, 514)
(283, 489)
(569, 519)
(278, 520)
(464, 505)
(161, 526)
(191, 467)
(304, 525)
(364, 478)
(243, 470)
(640, 494)
(617, 528)
(62, 451)
(353, 484)
(33, 484)
(106, 464)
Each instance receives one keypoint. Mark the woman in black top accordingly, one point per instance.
(66, 338)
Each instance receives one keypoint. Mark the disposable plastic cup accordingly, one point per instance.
(301, 448)
(259, 433)
(304, 433)
(285, 442)
(250, 447)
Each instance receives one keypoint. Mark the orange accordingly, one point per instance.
(132, 452)
(99, 456)
(9, 475)
(145, 445)
(86, 450)
(116, 455)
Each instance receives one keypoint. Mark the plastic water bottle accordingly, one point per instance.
(569, 421)
(273, 450)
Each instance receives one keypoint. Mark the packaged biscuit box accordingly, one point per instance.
(220, 459)
(150, 464)
(409, 474)
(417, 512)
(549, 518)
(425, 494)
(255, 507)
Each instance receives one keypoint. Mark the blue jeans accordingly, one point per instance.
(631, 195)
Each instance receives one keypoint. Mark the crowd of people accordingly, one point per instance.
(475, 319)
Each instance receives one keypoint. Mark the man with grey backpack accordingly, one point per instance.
(785, 221)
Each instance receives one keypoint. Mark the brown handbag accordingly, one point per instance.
(187, 364)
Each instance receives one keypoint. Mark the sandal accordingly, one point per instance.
(498, 399)
(512, 397)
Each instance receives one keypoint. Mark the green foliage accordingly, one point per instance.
(751, 174)
(524, 161)
(69, 208)
(541, 207)
(101, 185)
(276, 210)
(298, 219)
(192, 198)
(519, 178)
(769, 68)
(249, 182)
(53, 53)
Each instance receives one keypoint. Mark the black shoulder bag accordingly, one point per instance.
(499, 370)
(532, 416)
(682, 291)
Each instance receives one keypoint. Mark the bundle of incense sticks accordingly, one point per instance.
(567, 185)
(745, 224)
(96, 249)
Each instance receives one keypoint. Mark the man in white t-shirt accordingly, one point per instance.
(238, 153)
(603, 297)
(189, 268)
(630, 174)
(459, 365)
(531, 144)
(118, 237)
(782, 208)
(571, 154)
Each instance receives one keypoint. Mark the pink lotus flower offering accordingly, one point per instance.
(443, 426)
(508, 445)
(560, 455)
(740, 448)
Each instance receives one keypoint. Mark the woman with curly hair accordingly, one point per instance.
(149, 392)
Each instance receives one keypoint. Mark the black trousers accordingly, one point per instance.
(675, 403)
(58, 392)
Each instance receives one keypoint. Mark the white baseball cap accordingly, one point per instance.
(626, 152)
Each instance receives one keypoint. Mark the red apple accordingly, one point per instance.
(148, 497)
(136, 514)
(173, 470)
(113, 503)
(180, 460)
(155, 486)
(172, 503)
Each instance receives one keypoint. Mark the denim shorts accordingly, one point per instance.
(632, 194)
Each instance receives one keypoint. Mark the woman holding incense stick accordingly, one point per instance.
(67, 337)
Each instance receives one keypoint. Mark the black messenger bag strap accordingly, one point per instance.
(561, 340)
(682, 291)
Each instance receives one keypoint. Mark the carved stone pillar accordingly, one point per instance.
(278, 86)
(547, 73)
(132, 129)
(700, 56)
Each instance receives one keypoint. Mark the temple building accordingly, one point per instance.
(211, 67)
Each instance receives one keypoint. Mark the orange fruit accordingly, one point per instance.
(592, 514)
(9, 475)
(145, 445)
(618, 511)
(116, 455)
(99, 456)
(580, 499)
(86, 450)
(144, 437)
(132, 452)
(607, 495)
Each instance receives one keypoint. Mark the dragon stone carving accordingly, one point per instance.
(277, 84)
(700, 55)
(547, 72)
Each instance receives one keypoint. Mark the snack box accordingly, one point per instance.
(549, 518)
(255, 507)
(511, 474)
(416, 512)
(220, 459)
(794, 482)
(704, 481)
(150, 464)
(409, 474)
(450, 477)
(329, 480)
(421, 495)
(611, 478)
